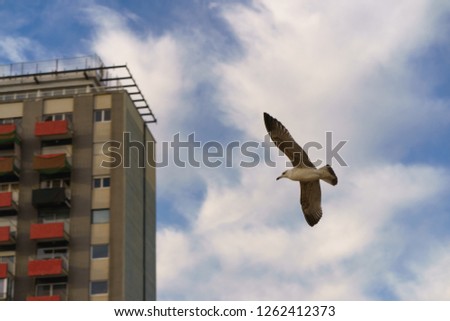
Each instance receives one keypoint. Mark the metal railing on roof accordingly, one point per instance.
(50, 66)
(122, 81)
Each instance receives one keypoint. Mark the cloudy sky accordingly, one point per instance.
(375, 74)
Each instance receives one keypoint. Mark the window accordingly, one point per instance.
(10, 259)
(53, 215)
(11, 222)
(98, 287)
(54, 183)
(66, 146)
(102, 182)
(5, 121)
(55, 117)
(100, 216)
(3, 288)
(106, 182)
(9, 187)
(99, 251)
(51, 289)
(102, 115)
(52, 253)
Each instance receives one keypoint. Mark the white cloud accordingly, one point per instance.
(339, 64)
(248, 246)
(156, 62)
(15, 49)
(429, 279)
(159, 65)
(317, 66)
(175, 257)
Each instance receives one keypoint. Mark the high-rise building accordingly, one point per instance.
(75, 223)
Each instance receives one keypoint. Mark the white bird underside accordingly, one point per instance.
(303, 174)
(304, 171)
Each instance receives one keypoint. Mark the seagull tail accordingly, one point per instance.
(328, 175)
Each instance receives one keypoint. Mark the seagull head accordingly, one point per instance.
(284, 174)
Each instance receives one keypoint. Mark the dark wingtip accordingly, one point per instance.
(331, 171)
(268, 120)
(312, 221)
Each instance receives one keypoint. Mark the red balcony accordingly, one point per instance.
(47, 267)
(56, 129)
(51, 163)
(6, 235)
(9, 168)
(48, 232)
(44, 298)
(6, 199)
(8, 135)
(8, 202)
(3, 270)
(6, 270)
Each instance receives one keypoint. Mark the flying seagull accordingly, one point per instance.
(304, 171)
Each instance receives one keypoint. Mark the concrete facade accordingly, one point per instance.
(110, 215)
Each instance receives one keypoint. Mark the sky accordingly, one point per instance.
(373, 74)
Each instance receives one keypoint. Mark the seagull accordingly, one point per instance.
(304, 170)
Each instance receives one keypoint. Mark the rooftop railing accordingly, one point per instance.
(43, 71)
(46, 66)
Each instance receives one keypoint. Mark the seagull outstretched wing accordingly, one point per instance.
(310, 193)
(310, 199)
(284, 141)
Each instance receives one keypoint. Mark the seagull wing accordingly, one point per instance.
(310, 198)
(284, 141)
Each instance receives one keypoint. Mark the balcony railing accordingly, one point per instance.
(44, 298)
(3, 270)
(49, 231)
(9, 169)
(51, 197)
(6, 269)
(7, 235)
(9, 135)
(8, 202)
(56, 129)
(52, 163)
(48, 267)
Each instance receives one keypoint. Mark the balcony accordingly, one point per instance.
(49, 231)
(6, 270)
(50, 164)
(7, 235)
(44, 298)
(8, 135)
(8, 203)
(48, 267)
(55, 129)
(3, 270)
(9, 169)
(51, 197)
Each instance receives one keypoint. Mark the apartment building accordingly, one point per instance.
(72, 228)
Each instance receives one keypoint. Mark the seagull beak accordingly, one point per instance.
(279, 177)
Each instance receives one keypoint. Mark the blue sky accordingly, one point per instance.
(375, 74)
